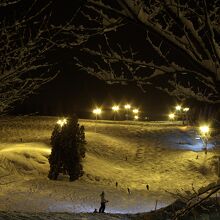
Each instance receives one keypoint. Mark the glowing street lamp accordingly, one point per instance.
(205, 132)
(135, 111)
(171, 116)
(178, 107)
(136, 117)
(115, 109)
(127, 107)
(62, 122)
(186, 109)
(96, 111)
(185, 115)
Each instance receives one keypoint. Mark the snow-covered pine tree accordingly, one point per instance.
(68, 149)
(55, 160)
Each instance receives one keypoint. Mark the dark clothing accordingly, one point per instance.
(103, 201)
(129, 191)
(102, 207)
(147, 186)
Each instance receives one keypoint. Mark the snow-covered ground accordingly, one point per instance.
(166, 156)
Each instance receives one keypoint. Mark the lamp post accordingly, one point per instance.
(97, 111)
(205, 132)
(115, 109)
(127, 108)
(136, 111)
(185, 116)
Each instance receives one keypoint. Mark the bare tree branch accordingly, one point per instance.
(25, 46)
(189, 28)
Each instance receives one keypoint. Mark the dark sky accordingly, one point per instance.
(76, 91)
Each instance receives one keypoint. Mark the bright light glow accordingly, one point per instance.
(204, 129)
(135, 111)
(97, 111)
(178, 107)
(115, 108)
(136, 117)
(186, 109)
(127, 106)
(62, 122)
(171, 116)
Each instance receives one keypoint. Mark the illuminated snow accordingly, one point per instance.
(163, 155)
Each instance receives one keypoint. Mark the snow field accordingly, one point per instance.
(133, 155)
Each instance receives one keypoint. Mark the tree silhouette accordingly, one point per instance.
(180, 45)
(68, 150)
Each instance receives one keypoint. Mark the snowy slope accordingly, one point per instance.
(162, 155)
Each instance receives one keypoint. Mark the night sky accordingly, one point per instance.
(76, 91)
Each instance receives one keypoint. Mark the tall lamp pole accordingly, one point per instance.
(127, 108)
(96, 111)
(205, 132)
(115, 109)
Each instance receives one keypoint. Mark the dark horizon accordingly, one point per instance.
(77, 92)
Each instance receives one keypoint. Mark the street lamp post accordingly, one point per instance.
(136, 111)
(205, 132)
(178, 112)
(185, 116)
(115, 109)
(96, 111)
(127, 108)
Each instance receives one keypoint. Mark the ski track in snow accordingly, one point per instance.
(163, 156)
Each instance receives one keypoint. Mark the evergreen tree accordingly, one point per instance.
(68, 149)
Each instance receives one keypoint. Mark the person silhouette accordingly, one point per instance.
(103, 202)
(129, 191)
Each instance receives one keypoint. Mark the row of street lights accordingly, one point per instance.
(116, 109)
(204, 130)
(179, 110)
